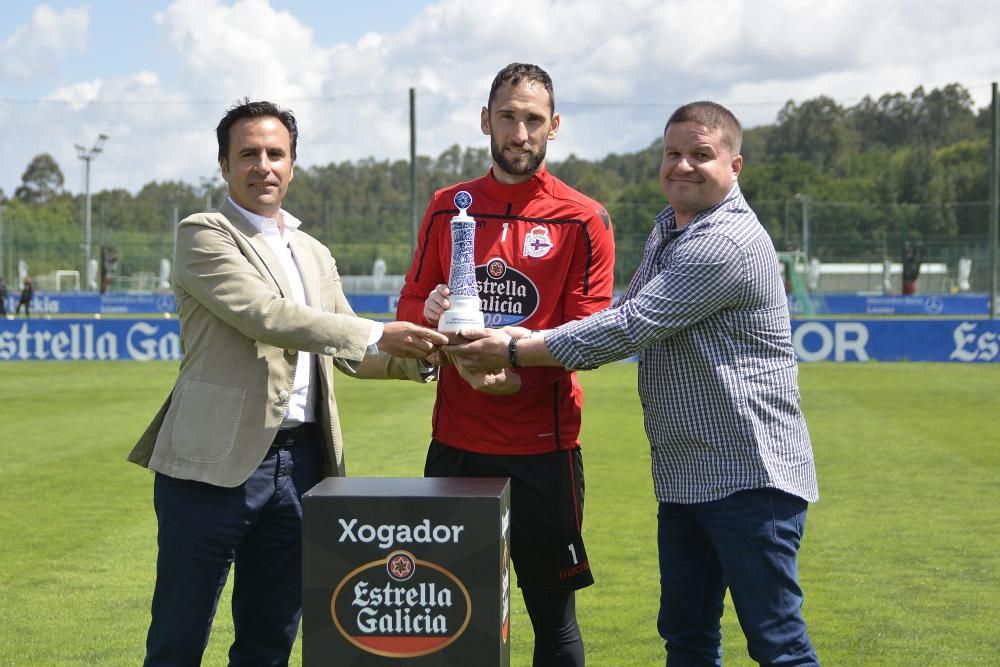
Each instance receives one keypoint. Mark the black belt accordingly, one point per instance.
(288, 437)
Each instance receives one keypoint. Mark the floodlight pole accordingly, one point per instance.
(994, 197)
(87, 155)
(806, 201)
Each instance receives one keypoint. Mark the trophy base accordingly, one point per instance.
(463, 314)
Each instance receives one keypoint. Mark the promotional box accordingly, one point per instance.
(406, 571)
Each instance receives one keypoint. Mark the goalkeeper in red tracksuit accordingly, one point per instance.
(544, 256)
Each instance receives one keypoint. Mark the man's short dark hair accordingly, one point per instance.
(713, 116)
(515, 73)
(244, 108)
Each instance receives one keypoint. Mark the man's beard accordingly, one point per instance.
(526, 165)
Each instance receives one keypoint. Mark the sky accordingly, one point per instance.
(156, 75)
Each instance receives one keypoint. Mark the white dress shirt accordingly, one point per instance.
(302, 403)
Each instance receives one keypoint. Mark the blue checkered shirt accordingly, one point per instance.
(707, 315)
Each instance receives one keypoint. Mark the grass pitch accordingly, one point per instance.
(900, 563)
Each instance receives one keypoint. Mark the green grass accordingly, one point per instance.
(900, 563)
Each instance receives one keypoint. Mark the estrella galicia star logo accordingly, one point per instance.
(496, 268)
(400, 565)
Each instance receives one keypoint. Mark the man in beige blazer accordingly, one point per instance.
(251, 423)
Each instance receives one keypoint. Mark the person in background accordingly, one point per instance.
(733, 469)
(544, 255)
(911, 268)
(27, 294)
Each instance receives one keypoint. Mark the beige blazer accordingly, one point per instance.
(241, 332)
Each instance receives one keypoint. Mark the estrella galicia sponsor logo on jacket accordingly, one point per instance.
(508, 296)
(401, 607)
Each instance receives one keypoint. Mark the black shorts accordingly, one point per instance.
(546, 510)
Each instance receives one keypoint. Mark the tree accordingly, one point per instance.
(817, 131)
(944, 115)
(41, 182)
(886, 122)
(588, 177)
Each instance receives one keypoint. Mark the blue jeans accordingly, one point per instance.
(748, 542)
(202, 530)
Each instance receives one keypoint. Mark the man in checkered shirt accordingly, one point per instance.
(733, 468)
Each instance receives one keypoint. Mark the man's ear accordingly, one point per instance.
(484, 121)
(737, 166)
(554, 130)
(224, 166)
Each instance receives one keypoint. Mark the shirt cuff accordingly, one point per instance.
(375, 336)
(559, 345)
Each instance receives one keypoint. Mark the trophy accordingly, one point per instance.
(463, 311)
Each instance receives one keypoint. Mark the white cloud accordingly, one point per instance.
(246, 48)
(78, 95)
(860, 52)
(34, 50)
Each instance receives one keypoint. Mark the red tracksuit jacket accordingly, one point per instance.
(544, 255)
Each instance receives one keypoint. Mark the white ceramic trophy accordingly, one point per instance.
(463, 310)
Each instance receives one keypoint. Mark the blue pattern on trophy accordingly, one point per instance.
(463, 307)
(462, 277)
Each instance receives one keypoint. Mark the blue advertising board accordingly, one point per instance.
(85, 303)
(82, 303)
(90, 339)
(965, 341)
(929, 305)
(897, 340)
(373, 303)
(116, 302)
(934, 305)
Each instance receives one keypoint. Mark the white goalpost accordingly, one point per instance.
(73, 278)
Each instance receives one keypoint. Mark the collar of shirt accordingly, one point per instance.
(517, 192)
(666, 220)
(268, 227)
(666, 224)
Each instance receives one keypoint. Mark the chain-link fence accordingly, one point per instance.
(851, 242)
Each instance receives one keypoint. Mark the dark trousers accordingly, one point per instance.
(546, 545)
(203, 530)
(748, 542)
